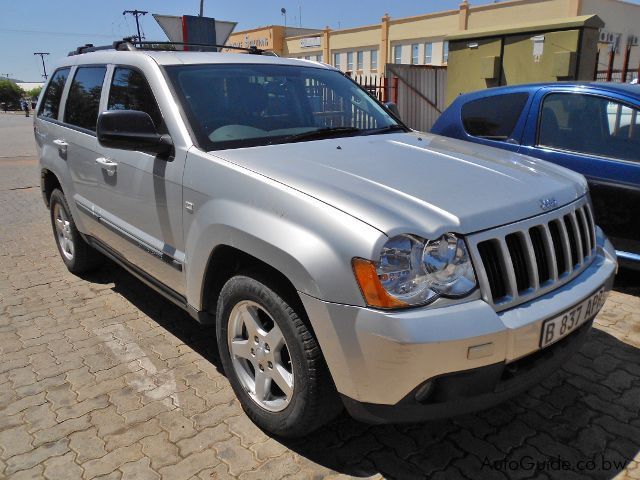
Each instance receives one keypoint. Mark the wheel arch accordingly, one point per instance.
(49, 181)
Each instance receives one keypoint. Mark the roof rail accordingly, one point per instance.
(131, 44)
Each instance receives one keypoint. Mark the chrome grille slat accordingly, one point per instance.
(518, 262)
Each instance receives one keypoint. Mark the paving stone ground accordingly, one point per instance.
(102, 378)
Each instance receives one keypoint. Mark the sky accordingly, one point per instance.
(59, 26)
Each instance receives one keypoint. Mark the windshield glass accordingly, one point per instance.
(233, 106)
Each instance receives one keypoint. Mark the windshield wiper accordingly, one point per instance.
(387, 129)
(326, 132)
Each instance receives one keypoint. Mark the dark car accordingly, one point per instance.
(592, 128)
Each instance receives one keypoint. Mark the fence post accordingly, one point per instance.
(595, 70)
(612, 55)
(395, 89)
(625, 64)
(383, 87)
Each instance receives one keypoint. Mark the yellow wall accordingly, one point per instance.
(506, 13)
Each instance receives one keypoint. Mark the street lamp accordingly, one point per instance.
(283, 11)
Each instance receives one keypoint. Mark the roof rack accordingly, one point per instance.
(131, 44)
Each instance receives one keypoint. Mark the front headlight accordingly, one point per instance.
(414, 271)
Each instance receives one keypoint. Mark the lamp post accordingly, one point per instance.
(44, 68)
(283, 11)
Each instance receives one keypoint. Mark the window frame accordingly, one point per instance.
(111, 74)
(428, 60)
(105, 79)
(350, 61)
(540, 105)
(62, 102)
(517, 125)
(397, 49)
(360, 60)
(445, 51)
(336, 60)
(373, 53)
(415, 48)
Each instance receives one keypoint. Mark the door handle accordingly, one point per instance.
(62, 146)
(108, 165)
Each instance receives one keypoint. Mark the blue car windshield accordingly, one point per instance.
(244, 105)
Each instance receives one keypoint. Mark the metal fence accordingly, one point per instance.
(383, 88)
(419, 93)
(616, 75)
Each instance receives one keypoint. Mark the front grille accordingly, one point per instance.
(518, 262)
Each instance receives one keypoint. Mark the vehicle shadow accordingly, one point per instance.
(582, 422)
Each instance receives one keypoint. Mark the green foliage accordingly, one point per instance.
(10, 92)
(34, 92)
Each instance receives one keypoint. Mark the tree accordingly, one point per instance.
(34, 92)
(10, 92)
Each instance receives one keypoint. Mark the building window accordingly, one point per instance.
(374, 59)
(397, 54)
(319, 58)
(308, 57)
(414, 54)
(428, 52)
(336, 60)
(349, 61)
(360, 60)
(445, 52)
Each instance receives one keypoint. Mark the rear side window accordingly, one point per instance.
(130, 91)
(84, 97)
(50, 105)
(494, 117)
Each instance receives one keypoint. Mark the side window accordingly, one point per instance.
(494, 117)
(84, 97)
(51, 101)
(130, 91)
(590, 124)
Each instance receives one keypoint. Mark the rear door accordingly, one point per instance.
(79, 140)
(597, 135)
(139, 194)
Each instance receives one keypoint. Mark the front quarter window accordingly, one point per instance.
(493, 117)
(234, 106)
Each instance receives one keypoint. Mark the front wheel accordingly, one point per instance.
(272, 360)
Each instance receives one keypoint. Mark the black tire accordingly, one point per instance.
(84, 258)
(314, 401)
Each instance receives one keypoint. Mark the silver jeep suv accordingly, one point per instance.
(344, 259)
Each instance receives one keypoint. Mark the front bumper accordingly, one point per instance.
(380, 360)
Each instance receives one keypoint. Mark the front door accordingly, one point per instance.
(599, 137)
(139, 194)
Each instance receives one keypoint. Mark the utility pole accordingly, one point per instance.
(44, 69)
(136, 13)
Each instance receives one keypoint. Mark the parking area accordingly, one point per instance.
(102, 378)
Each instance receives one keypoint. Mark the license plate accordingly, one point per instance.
(562, 325)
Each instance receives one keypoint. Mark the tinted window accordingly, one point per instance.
(493, 117)
(84, 97)
(51, 101)
(130, 91)
(591, 125)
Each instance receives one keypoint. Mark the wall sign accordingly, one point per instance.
(310, 42)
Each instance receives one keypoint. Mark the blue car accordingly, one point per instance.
(592, 128)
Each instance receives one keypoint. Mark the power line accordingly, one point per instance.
(136, 13)
(44, 69)
(62, 34)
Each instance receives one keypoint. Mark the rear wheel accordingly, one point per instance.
(76, 254)
(272, 360)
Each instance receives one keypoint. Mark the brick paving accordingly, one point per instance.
(102, 378)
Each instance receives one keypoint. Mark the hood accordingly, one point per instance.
(415, 183)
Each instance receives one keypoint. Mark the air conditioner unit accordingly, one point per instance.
(603, 36)
(632, 40)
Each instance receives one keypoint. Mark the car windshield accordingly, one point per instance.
(245, 105)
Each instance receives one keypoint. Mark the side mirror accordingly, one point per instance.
(393, 108)
(131, 130)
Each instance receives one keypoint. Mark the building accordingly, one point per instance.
(422, 39)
